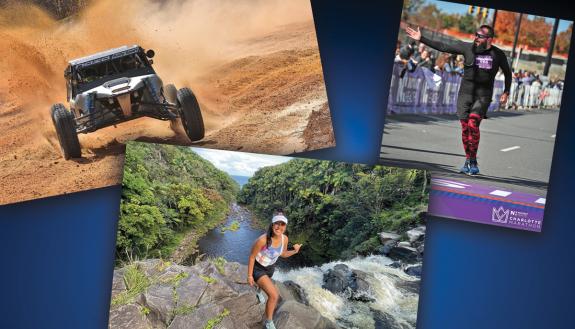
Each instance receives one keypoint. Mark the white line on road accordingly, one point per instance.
(511, 148)
(500, 193)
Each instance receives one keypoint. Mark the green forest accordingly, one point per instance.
(336, 210)
(168, 191)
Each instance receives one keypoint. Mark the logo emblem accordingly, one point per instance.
(500, 215)
(484, 62)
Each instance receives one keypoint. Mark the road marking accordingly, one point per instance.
(511, 148)
(540, 200)
(500, 193)
(447, 183)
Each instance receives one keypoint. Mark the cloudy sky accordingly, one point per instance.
(239, 163)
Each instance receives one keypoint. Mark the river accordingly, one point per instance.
(234, 246)
(395, 292)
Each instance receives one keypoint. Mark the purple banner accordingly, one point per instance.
(487, 205)
(416, 92)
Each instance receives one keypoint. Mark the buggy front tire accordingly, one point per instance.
(191, 115)
(66, 130)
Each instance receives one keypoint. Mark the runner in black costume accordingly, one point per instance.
(482, 62)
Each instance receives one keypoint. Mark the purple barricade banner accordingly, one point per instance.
(425, 92)
(484, 204)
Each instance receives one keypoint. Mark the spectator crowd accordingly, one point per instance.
(528, 89)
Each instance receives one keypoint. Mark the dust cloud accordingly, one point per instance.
(189, 37)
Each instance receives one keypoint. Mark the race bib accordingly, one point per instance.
(484, 62)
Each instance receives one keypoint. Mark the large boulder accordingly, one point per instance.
(404, 254)
(189, 290)
(414, 270)
(408, 286)
(404, 244)
(128, 316)
(191, 297)
(294, 315)
(245, 310)
(387, 321)
(290, 290)
(360, 286)
(200, 317)
(337, 279)
(160, 301)
(352, 284)
(386, 237)
(416, 234)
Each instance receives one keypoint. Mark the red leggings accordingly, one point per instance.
(470, 135)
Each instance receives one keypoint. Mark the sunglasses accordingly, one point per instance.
(280, 223)
(482, 36)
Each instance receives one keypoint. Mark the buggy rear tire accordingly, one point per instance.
(66, 130)
(171, 93)
(191, 115)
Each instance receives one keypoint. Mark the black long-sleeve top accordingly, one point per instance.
(480, 68)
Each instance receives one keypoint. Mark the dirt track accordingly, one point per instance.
(264, 93)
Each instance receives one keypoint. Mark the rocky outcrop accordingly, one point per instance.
(352, 284)
(209, 294)
(416, 234)
(386, 237)
(407, 255)
(414, 270)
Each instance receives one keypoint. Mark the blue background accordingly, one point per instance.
(57, 253)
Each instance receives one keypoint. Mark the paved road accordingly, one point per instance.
(515, 151)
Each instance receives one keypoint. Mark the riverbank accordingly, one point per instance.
(206, 295)
(186, 243)
(215, 294)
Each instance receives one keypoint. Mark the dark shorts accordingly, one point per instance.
(467, 104)
(260, 270)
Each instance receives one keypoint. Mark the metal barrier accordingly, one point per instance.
(417, 93)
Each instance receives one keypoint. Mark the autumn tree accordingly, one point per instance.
(563, 40)
(505, 26)
(467, 24)
(410, 7)
(429, 16)
(535, 32)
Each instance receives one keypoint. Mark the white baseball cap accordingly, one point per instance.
(279, 218)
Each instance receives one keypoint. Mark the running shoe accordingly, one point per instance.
(269, 324)
(465, 168)
(473, 168)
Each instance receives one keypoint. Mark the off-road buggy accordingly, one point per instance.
(119, 85)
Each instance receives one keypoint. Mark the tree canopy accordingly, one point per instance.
(166, 190)
(337, 209)
(535, 31)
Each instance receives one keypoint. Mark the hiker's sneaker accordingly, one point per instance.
(269, 324)
(465, 168)
(473, 168)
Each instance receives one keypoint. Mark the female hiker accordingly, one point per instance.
(265, 252)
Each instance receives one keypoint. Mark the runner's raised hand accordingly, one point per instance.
(414, 34)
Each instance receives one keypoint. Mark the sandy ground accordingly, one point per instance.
(260, 88)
